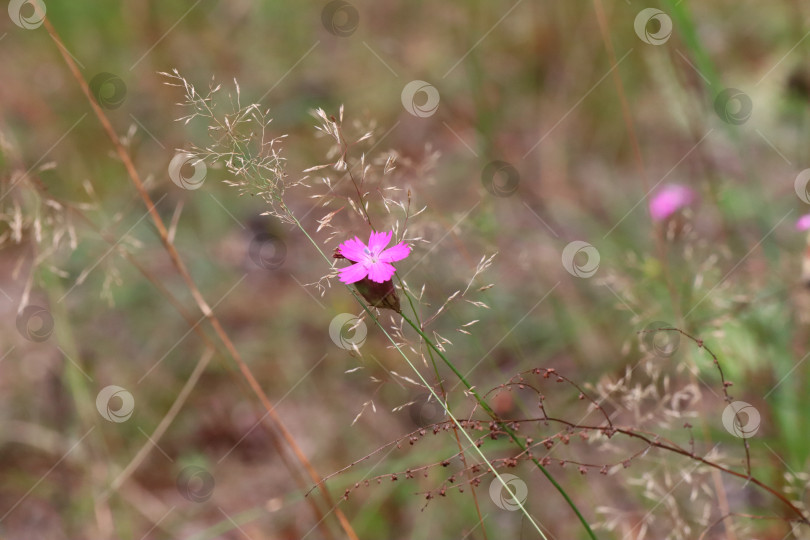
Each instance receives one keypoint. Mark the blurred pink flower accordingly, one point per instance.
(803, 223)
(371, 260)
(670, 199)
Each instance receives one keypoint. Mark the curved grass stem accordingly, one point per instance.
(481, 402)
(484, 405)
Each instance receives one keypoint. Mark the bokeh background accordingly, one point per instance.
(591, 112)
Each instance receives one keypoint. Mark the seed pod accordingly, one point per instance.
(379, 295)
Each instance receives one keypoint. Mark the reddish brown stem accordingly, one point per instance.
(180, 266)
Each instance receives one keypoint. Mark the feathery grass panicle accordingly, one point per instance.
(357, 194)
(204, 106)
(240, 140)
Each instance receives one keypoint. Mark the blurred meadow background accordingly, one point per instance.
(542, 133)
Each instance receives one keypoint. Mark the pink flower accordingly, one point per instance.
(670, 199)
(803, 223)
(373, 260)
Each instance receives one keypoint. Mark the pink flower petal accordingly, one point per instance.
(395, 253)
(803, 223)
(378, 240)
(372, 260)
(669, 200)
(354, 273)
(381, 272)
(354, 249)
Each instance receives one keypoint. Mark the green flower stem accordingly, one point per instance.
(430, 351)
(445, 406)
(484, 405)
(447, 410)
(419, 374)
